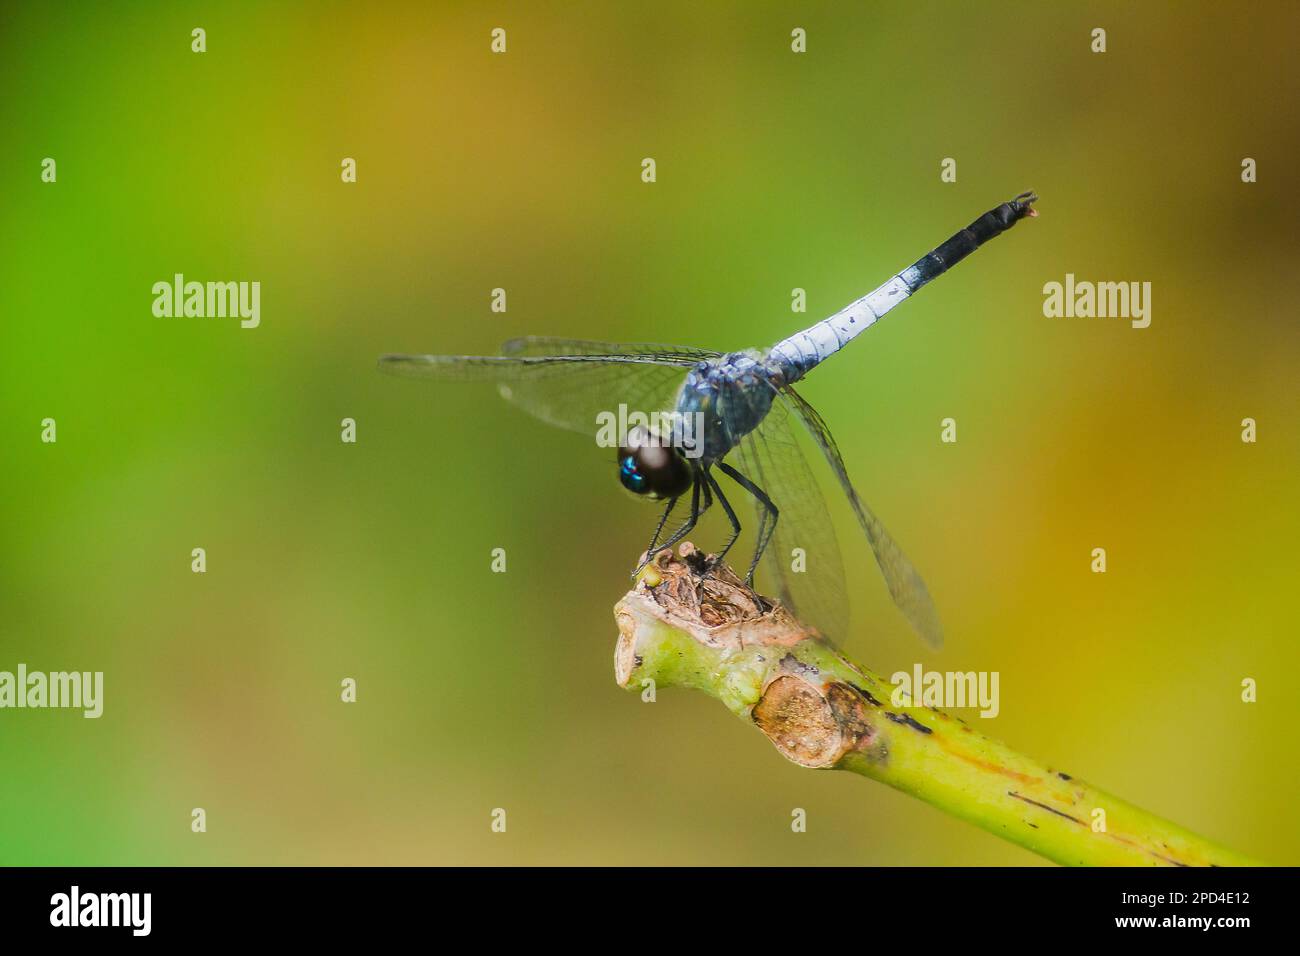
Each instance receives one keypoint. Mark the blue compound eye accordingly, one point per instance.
(653, 471)
(631, 478)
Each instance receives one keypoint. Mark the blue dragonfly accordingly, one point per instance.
(732, 414)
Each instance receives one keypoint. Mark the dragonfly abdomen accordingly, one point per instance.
(804, 350)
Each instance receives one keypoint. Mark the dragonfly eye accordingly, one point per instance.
(631, 477)
(648, 467)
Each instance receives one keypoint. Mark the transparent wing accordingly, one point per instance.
(541, 345)
(905, 585)
(565, 382)
(811, 580)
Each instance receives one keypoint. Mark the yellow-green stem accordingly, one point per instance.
(821, 710)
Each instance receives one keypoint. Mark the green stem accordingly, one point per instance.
(821, 710)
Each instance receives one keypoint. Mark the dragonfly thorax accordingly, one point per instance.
(725, 399)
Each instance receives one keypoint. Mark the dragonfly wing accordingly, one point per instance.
(541, 345)
(567, 383)
(905, 585)
(802, 556)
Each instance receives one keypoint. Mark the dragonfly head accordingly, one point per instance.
(649, 465)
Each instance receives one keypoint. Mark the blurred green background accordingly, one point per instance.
(775, 170)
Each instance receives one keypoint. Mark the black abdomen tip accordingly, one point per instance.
(1022, 205)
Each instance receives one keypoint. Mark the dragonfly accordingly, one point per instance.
(733, 415)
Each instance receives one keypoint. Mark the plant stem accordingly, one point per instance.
(679, 628)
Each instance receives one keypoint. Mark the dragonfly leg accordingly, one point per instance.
(766, 527)
(663, 519)
(731, 516)
(686, 527)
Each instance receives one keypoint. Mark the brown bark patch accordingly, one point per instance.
(800, 722)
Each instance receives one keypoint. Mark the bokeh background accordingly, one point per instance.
(775, 170)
